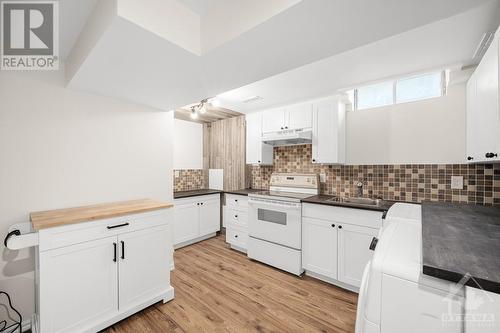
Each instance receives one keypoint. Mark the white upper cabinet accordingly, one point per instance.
(273, 120)
(483, 112)
(328, 131)
(289, 118)
(256, 151)
(299, 116)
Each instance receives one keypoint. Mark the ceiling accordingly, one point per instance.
(201, 7)
(439, 45)
(300, 50)
(73, 15)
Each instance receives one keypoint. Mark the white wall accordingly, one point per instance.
(428, 131)
(60, 148)
(188, 145)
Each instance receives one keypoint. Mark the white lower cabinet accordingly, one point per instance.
(319, 247)
(196, 218)
(92, 274)
(236, 221)
(336, 241)
(354, 252)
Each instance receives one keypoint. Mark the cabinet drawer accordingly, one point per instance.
(236, 218)
(361, 217)
(238, 202)
(237, 237)
(52, 238)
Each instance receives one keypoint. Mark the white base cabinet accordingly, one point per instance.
(236, 221)
(196, 218)
(335, 242)
(89, 276)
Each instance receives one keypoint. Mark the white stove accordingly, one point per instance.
(275, 220)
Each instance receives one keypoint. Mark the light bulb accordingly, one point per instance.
(194, 114)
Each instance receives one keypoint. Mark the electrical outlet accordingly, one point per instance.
(176, 173)
(322, 178)
(457, 182)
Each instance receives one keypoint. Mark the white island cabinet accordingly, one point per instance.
(97, 265)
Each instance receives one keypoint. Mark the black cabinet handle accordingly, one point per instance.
(201, 203)
(470, 158)
(235, 200)
(235, 236)
(114, 252)
(236, 216)
(314, 160)
(340, 227)
(123, 249)
(333, 225)
(286, 127)
(282, 128)
(491, 155)
(373, 244)
(118, 225)
(258, 161)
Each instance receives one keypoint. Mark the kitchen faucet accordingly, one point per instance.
(359, 185)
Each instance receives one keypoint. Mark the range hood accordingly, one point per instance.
(288, 138)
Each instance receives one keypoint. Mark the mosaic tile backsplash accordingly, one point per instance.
(400, 182)
(189, 179)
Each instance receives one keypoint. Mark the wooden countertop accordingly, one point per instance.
(59, 217)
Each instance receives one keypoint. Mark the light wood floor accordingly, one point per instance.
(220, 290)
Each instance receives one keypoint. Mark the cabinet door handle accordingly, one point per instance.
(235, 200)
(282, 128)
(123, 249)
(235, 236)
(340, 227)
(314, 160)
(236, 216)
(118, 225)
(470, 158)
(491, 155)
(373, 244)
(114, 252)
(333, 225)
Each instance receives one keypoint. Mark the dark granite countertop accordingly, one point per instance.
(323, 200)
(461, 239)
(245, 191)
(194, 193)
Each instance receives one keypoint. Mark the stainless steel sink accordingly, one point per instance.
(358, 201)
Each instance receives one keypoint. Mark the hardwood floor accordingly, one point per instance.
(220, 290)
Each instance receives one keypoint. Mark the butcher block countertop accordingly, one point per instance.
(59, 217)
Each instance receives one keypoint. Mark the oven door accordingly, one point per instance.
(275, 221)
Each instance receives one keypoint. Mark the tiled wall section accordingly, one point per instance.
(189, 180)
(410, 183)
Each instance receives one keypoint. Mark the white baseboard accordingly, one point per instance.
(332, 281)
(195, 240)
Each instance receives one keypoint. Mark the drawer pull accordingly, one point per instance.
(235, 236)
(236, 216)
(114, 252)
(123, 249)
(118, 225)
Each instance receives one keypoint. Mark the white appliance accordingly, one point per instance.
(288, 137)
(275, 220)
(395, 296)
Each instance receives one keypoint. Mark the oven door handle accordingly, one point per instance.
(292, 205)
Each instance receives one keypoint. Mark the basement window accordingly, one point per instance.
(408, 89)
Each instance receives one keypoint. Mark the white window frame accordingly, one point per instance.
(394, 90)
